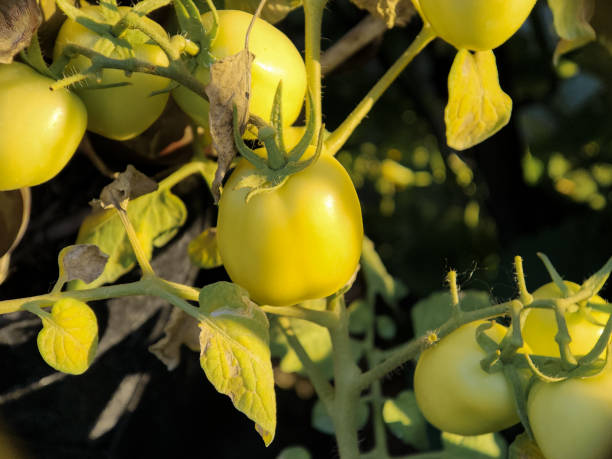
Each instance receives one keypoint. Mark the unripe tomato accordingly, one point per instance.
(119, 113)
(540, 326)
(477, 25)
(39, 129)
(573, 418)
(298, 242)
(455, 394)
(276, 58)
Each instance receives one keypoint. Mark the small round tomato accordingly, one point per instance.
(585, 324)
(477, 25)
(276, 59)
(573, 418)
(297, 242)
(455, 394)
(124, 112)
(39, 129)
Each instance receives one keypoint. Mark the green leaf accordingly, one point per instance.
(274, 10)
(477, 107)
(321, 421)
(487, 446)
(385, 327)
(360, 317)
(378, 280)
(294, 452)
(203, 250)
(156, 218)
(69, 337)
(524, 448)
(431, 312)
(235, 353)
(571, 19)
(402, 416)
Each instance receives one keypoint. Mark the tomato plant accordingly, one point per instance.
(276, 59)
(121, 112)
(477, 25)
(40, 129)
(455, 394)
(585, 324)
(572, 418)
(299, 241)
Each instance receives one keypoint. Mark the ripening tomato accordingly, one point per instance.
(455, 394)
(39, 129)
(585, 324)
(477, 25)
(276, 59)
(573, 418)
(297, 242)
(124, 112)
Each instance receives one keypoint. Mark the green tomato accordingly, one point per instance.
(119, 113)
(297, 242)
(477, 25)
(585, 324)
(39, 129)
(455, 394)
(276, 59)
(573, 419)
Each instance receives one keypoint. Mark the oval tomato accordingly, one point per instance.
(455, 394)
(119, 113)
(39, 129)
(276, 58)
(297, 242)
(585, 324)
(573, 418)
(477, 25)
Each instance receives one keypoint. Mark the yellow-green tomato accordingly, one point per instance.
(297, 242)
(276, 59)
(124, 112)
(573, 418)
(455, 394)
(477, 25)
(40, 129)
(584, 324)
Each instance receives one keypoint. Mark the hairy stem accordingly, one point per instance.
(313, 10)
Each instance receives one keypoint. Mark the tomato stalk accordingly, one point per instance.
(313, 11)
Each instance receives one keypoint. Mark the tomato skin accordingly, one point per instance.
(455, 394)
(540, 325)
(39, 129)
(276, 58)
(119, 113)
(298, 242)
(573, 418)
(477, 25)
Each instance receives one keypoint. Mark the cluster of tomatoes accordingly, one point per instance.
(569, 419)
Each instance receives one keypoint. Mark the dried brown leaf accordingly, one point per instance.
(130, 184)
(14, 217)
(19, 19)
(81, 261)
(180, 329)
(230, 84)
(393, 12)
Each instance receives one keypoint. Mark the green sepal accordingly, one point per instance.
(296, 153)
(32, 55)
(519, 386)
(190, 23)
(83, 18)
(554, 275)
(276, 117)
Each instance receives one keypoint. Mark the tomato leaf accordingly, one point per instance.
(294, 452)
(19, 19)
(156, 218)
(273, 11)
(571, 19)
(404, 419)
(393, 12)
(14, 217)
(69, 338)
(524, 448)
(487, 446)
(321, 420)
(130, 184)
(83, 261)
(235, 353)
(477, 107)
(203, 250)
(378, 280)
(180, 329)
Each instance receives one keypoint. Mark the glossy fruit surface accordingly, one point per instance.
(297, 242)
(477, 25)
(455, 394)
(585, 324)
(39, 129)
(119, 113)
(276, 58)
(573, 419)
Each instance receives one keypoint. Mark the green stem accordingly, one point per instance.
(313, 11)
(524, 294)
(339, 137)
(185, 171)
(148, 6)
(324, 318)
(141, 256)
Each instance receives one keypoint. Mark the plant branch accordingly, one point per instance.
(313, 11)
(324, 318)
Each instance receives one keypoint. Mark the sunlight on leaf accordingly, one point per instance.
(477, 107)
(69, 338)
(487, 446)
(403, 418)
(203, 250)
(235, 353)
(378, 280)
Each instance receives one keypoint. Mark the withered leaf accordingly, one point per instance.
(19, 19)
(81, 261)
(393, 12)
(128, 185)
(230, 84)
(14, 217)
(180, 329)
